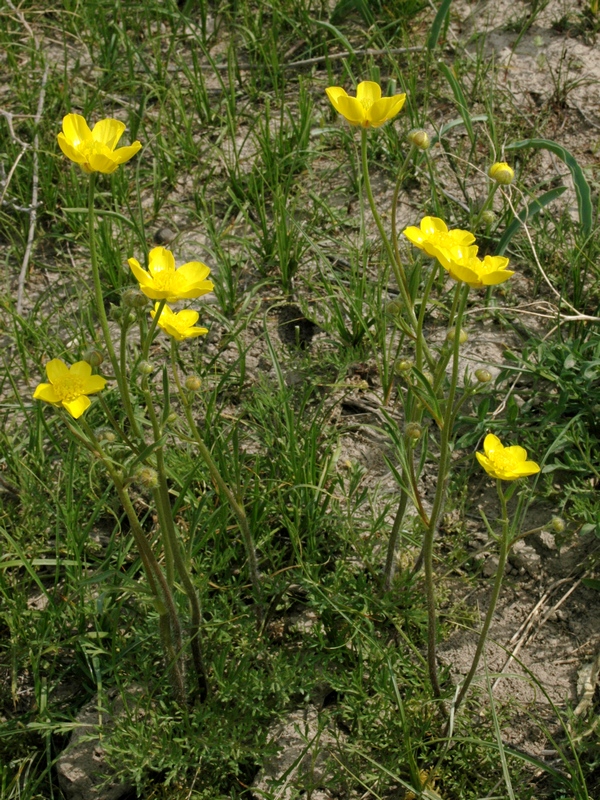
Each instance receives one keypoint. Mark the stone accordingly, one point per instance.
(523, 556)
(164, 236)
(82, 771)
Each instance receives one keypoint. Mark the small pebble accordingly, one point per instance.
(164, 236)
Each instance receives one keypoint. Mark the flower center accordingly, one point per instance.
(164, 280)
(69, 388)
(502, 461)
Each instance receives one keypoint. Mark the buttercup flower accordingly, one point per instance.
(436, 240)
(505, 463)
(94, 150)
(477, 273)
(164, 282)
(179, 325)
(502, 173)
(69, 386)
(368, 109)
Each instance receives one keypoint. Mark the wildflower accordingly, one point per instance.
(436, 240)
(557, 525)
(368, 109)
(477, 273)
(69, 386)
(505, 463)
(164, 282)
(502, 173)
(94, 150)
(179, 325)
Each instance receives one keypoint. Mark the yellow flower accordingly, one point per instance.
(69, 386)
(477, 273)
(368, 109)
(164, 282)
(502, 173)
(94, 150)
(506, 463)
(179, 325)
(436, 240)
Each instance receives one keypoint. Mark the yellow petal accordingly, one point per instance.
(108, 131)
(56, 369)
(193, 271)
(385, 109)
(82, 369)
(492, 444)
(123, 154)
(333, 93)
(157, 294)
(368, 92)
(192, 292)
(159, 260)
(494, 278)
(414, 235)
(462, 237)
(93, 384)
(528, 468)
(45, 391)
(140, 274)
(462, 273)
(486, 464)
(71, 152)
(76, 129)
(187, 317)
(432, 225)
(78, 406)
(516, 453)
(191, 333)
(102, 162)
(351, 110)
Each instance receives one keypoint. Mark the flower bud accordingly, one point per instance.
(404, 365)
(133, 298)
(462, 336)
(93, 357)
(501, 173)
(428, 376)
(145, 367)
(172, 418)
(413, 430)
(105, 435)
(557, 525)
(394, 308)
(419, 138)
(146, 477)
(192, 383)
(483, 375)
(488, 217)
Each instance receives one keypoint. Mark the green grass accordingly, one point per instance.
(249, 165)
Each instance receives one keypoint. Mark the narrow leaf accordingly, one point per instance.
(440, 18)
(460, 98)
(582, 188)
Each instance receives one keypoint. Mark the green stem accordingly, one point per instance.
(122, 383)
(399, 180)
(438, 502)
(390, 562)
(151, 330)
(421, 319)
(488, 202)
(171, 543)
(236, 507)
(505, 543)
(170, 627)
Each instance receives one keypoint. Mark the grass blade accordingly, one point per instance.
(459, 96)
(440, 18)
(582, 188)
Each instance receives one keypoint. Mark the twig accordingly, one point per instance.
(34, 194)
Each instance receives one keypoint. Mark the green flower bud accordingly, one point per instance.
(145, 368)
(462, 336)
(105, 435)
(413, 430)
(557, 525)
(193, 383)
(93, 357)
(172, 418)
(419, 138)
(133, 298)
(488, 217)
(483, 375)
(502, 173)
(394, 308)
(146, 477)
(404, 365)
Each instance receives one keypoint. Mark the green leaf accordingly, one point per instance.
(527, 213)
(460, 98)
(440, 18)
(582, 188)
(453, 124)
